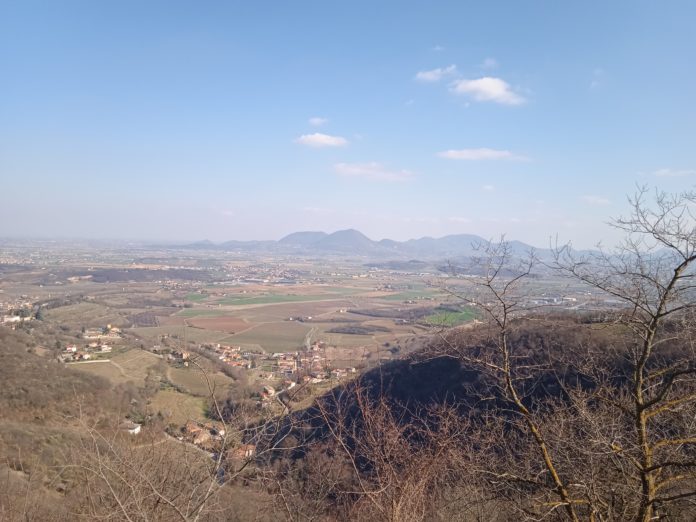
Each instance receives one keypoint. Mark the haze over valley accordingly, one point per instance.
(331, 262)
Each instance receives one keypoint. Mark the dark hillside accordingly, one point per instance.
(440, 422)
(440, 375)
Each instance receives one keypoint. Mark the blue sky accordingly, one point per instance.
(250, 120)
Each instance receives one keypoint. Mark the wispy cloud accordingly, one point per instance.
(372, 171)
(321, 140)
(438, 48)
(458, 219)
(674, 173)
(489, 63)
(488, 188)
(480, 154)
(596, 201)
(317, 121)
(435, 75)
(488, 89)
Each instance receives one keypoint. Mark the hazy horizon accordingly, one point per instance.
(171, 121)
(190, 241)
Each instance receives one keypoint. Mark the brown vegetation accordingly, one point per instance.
(531, 416)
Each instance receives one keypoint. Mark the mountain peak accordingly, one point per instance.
(303, 238)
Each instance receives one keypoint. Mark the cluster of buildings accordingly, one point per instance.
(11, 320)
(100, 342)
(206, 435)
(73, 353)
(311, 366)
(16, 311)
(233, 356)
(266, 273)
(100, 334)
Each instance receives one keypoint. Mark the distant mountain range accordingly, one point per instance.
(354, 243)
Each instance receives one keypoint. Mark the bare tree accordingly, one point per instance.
(651, 274)
(377, 459)
(497, 287)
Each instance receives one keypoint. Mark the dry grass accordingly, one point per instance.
(192, 380)
(274, 337)
(192, 334)
(177, 408)
(221, 324)
(85, 314)
(131, 365)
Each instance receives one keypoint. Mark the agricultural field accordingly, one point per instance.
(223, 323)
(171, 320)
(261, 317)
(274, 337)
(197, 335)
(177, 408)
(204, 312)
(450, 318)
(86, 314)
(193, 381)
(271, 299)
(412, 295)
(282, 312)
(196, 297)
(131, 365)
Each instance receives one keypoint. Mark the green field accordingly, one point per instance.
(412, 295)
(450, 318)
(277, 298)
(202, 312)
(195, 297)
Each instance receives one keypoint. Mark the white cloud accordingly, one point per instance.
(488, 188)
(321, 140)
(438, 48)
(489, 63)
(673, 173)
(488, 89)
(436, 75)
(480, 154)
(317, 121)
(458, 219)
(373, 171)
(597, 201)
